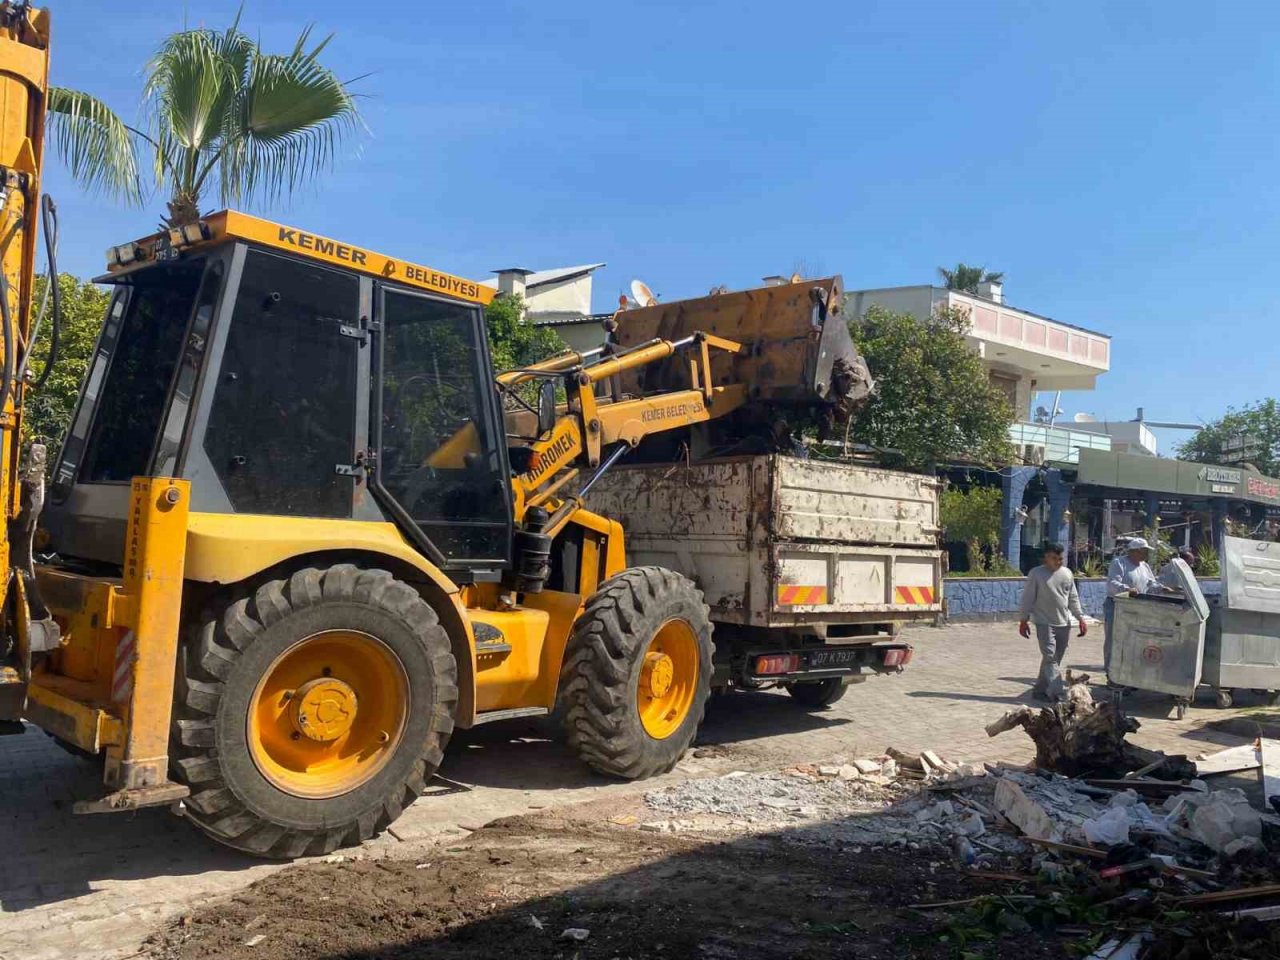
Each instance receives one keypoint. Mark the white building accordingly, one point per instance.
(560, 299)
(1025, 354)
(1127, 436)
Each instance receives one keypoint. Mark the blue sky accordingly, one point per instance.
(1116, 161)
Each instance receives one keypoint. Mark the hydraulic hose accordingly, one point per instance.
(6, 322)
(49, 221)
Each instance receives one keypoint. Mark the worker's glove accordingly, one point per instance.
(1024, 628)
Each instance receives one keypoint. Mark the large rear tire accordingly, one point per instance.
(637, 673)
(311, 712)
(816, 695)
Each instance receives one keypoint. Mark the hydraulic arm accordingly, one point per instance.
(24, 77)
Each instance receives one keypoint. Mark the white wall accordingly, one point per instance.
(917, 301)
(580, 336)
(1127, 436)
(567, 298)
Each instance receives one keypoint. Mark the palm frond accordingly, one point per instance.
(294, 114)
(96, 145)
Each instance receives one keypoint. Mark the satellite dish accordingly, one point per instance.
(1085, 418)
(641, 294)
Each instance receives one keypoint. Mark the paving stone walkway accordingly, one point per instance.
(93, 887)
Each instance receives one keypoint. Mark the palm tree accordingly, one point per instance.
(215, 110)
(966, 278)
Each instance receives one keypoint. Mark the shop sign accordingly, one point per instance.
(1262, 487)
(1217, 475)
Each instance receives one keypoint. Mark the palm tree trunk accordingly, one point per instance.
(183, 209)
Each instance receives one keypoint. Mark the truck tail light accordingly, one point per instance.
(897, 656)
(777, 663)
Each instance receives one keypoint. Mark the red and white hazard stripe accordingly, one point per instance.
(122, 679)
(915, 596)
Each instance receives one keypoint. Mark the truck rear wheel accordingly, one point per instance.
(818, 694)
(637, 673)
(313, 711)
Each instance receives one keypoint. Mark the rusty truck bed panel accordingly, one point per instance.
(777, 541)
(848, 503)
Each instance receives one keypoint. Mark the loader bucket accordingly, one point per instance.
(797, 352)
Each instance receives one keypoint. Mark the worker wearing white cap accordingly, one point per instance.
(1127, 574)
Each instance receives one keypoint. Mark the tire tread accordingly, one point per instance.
(213, 647)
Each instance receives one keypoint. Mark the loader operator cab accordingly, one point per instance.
(274, 383)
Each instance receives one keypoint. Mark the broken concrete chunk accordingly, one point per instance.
(905, 761)
(1023, 812)
(932, 759)
(828, 770)
(848, 772)
(1242, 845)
(1218, 822)
(889, 769)
(937, 811)
(867, 766)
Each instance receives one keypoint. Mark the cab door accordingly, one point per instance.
(441, 451)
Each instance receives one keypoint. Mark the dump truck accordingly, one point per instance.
(299, 530)
(810, 567)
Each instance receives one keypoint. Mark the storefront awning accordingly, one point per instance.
(1179, 478)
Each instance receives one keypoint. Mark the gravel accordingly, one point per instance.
(770, 797)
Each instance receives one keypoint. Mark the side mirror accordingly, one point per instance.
(546, 406)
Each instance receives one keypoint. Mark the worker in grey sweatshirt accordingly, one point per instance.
(1051, 602)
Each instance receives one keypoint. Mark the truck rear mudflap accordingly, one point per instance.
(817, 663)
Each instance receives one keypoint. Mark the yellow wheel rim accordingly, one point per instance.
(668, 679)
(328, 713)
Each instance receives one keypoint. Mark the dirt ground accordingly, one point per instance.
(92, 888)
(515, 887)
(707, 886)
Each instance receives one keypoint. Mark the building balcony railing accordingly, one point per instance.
(1038, 442)
(1003, 325)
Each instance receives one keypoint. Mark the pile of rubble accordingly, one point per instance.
(1137, 837)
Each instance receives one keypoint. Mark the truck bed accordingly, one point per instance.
(778, 541)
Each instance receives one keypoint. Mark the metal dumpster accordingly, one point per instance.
(1159, 641)
(1242, 641)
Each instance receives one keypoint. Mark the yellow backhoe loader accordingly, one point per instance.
(299, 531)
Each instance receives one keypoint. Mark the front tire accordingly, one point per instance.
(637, 673)
(818, 694)
(313, 711)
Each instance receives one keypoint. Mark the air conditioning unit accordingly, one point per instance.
(1033, 454)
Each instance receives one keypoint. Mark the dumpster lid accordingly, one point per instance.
(1251, 575)
(1185, 580)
